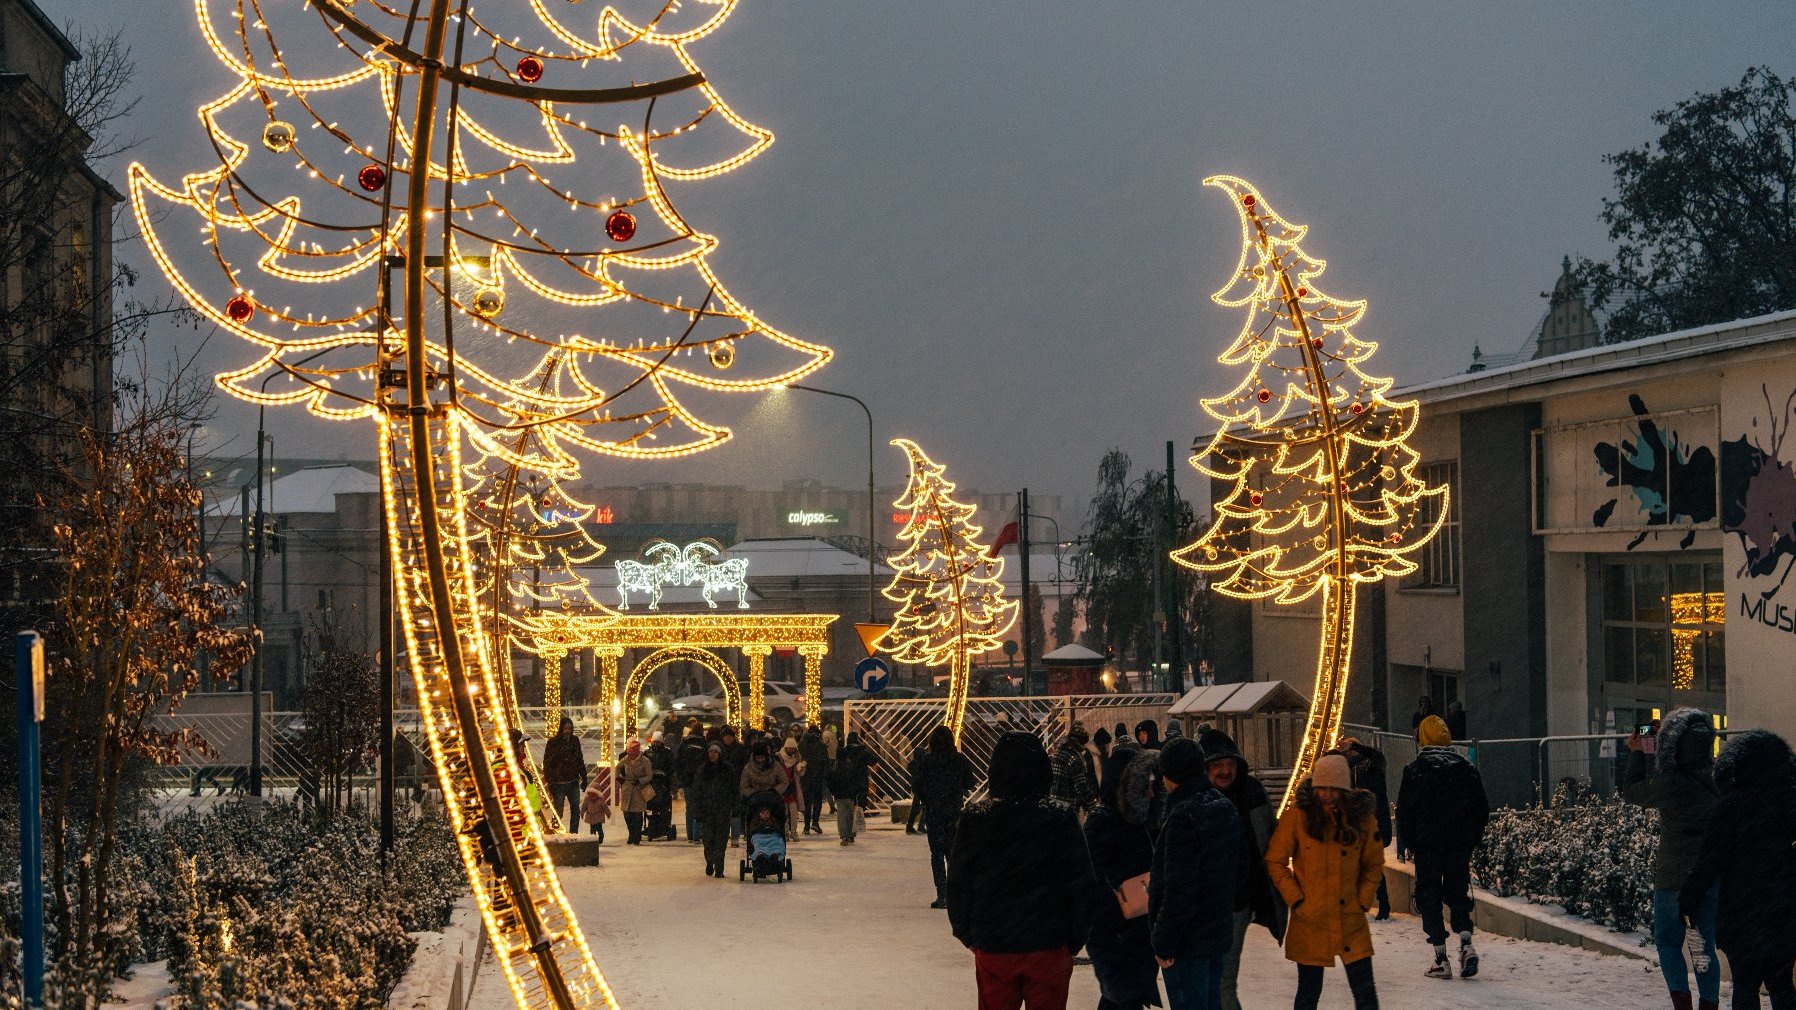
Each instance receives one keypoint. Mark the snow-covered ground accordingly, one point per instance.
(853, 929)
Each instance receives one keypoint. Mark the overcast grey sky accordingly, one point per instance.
(992, 211)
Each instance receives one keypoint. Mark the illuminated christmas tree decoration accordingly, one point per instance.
(946, 585)
(372, 268)
(1322, 492)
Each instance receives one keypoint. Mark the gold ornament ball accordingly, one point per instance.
(1321, 543)
(1387, 473)
(277, 136)
(488, 302)
(723, 355)
(1210, 552)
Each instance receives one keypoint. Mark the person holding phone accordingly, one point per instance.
(1676, 778)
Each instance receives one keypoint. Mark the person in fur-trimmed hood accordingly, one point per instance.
(1672, 771)
(1326, 861)
(1749, 853)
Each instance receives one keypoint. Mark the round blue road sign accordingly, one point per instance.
(872, 675)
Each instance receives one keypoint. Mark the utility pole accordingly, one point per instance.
(259, 532)
(1175, 634)
(1022, 558)
(387, 700)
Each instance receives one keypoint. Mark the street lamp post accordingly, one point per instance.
(871, 593)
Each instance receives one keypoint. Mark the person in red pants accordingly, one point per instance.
(1020, 890)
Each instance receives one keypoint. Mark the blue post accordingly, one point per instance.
(28, 668)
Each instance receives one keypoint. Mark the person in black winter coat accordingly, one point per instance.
(849, 782)
(1020, 885)
(916, 805)
(943, 779)
(1369, 766)
(712, 799)
(1147, 734)
(1200, 865)
(1121, 949)
(661, 759)
(1258, 902)
(686, 764)
(1678, 780)
(1073, 784)
(1750, 850)
(1442, 811)
(815, 754)
(735, 754)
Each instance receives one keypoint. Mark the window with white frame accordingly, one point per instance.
(1438, 560)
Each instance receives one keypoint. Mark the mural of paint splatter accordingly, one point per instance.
(1672, 484)
(1758, 497)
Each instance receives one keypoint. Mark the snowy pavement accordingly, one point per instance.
(853, 930)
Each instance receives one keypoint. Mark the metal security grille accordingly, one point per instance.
(893, 730)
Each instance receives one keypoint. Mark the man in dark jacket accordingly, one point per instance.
(815, 754)
(849, 782)
(1200, 864)
(1257, 902)
(1677, 779)
(1368, 766)
(1072, 782)
(1441, 813)
(661, 759)
(1749, 854)
(564, 770)
(916, 805)
(944, 778)
(1020, 884)
(735, 754)
(686, 764)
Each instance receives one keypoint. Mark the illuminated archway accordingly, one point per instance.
(732, 694)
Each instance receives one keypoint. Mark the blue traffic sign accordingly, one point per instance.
(872, 675)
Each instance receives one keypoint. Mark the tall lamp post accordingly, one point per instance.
(871, 580)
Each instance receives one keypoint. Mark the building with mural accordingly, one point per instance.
(1620, 541)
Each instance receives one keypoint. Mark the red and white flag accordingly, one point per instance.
(1008, 534)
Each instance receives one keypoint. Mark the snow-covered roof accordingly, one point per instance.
(314, 489)
(800, 557)
(1239, 699)
(1074, 653)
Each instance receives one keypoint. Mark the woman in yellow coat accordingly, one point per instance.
(1325, 858)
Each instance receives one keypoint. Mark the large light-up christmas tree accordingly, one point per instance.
(946, 586)
(454, 223)
(1322, 492)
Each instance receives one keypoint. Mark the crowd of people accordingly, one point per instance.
(1157, 857)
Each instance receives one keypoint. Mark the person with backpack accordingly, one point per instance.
(850, 780)
(1673, 772)
(1020, 885)
(1748, 854)
(1257, 902)
(1441, 812)
(1200, 865)
(944, 778)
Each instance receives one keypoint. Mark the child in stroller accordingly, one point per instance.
(766, 831)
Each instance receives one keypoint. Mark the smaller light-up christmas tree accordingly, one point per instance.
(1323, 493)
(950, 602)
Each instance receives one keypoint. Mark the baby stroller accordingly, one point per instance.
(765, 826)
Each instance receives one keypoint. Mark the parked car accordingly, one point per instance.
(780, 699)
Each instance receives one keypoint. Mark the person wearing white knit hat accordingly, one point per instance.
(1326, 861)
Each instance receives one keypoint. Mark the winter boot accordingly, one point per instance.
(1681, 1001)
(1709, 1004)
(1442, 968)
(939, 902)
(1468, 956)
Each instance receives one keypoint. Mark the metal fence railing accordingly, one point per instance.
(894, 729)
(1521, 771)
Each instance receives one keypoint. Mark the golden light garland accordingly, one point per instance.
(1322, 489)
(610, 635)
(418, 261)
(946, 586)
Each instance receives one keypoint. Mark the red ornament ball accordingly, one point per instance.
(372, 178)
(1396, 538)
(1255, 498)
(530, 69)
(1247, 200)
(1265, 395)
(1316, 342)
(1359, 408)
(1302, 292)
(240, 309)
(621, 226)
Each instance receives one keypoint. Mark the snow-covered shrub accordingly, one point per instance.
(1593, 856)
